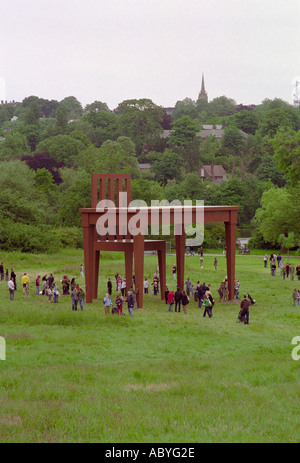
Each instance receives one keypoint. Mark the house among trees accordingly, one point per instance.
(216, 173)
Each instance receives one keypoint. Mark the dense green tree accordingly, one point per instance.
(14, 146)
(222, 106)
(141, 120)
(43, 181)
(286, 145)
(279, 214)
(146, 190)
(75, 193)
(186, 107)
(18, 199)
(32, 134)
(96, 107)
(73, 107)
(6, 112)
(183, 133)
(104, 123)
(232, 141)
(247, 121)
(32, 114)
(192, 186)
(61, 119)
(61, 147)
(118, 156)
(167, 167)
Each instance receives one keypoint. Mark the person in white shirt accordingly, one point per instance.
(146, 286)
(123, 287)
(11, 287)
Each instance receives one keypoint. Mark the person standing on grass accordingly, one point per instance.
(244, 314)
(6, 275)
(107, 303)
(26, 290)
(25, 280)
(273, 268)
(170, 300)
(130, 302)
(81, 296)
(174, 272)
(188, 286)
(49, 293)
(296, 297)
(215, 263)
(119, 304)
(201, 291)
(109, 286)
(73, 284)
(37, 285)
(146, 286)
(11, 288)
(236, 289)
(13, 277)
(283, 270)
(292, 272)
(201, 262)
(287, 269)
(166, 294)
(55, 293)
(266, 260)
(2, 271)
(134, 293)
(50, 280)
(81, 270)
(74, 297)
(44, 285)
(207, 305)
(298, 272)
(65, 285)
(185, 301)
(178, 299)
(123, 287)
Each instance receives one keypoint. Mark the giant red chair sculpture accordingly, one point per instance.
(108, 187)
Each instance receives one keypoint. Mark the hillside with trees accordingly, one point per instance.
(48, 149)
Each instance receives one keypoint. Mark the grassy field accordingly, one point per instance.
(154, 377)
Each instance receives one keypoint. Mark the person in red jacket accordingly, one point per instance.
(171, 300)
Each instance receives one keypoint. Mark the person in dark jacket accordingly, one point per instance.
(185, 301)
(244, 312)
(178, 299)
(130, 302)
(201, 292)
(109, 286)
(166, 294)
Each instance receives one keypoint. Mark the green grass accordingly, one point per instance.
(157, 377)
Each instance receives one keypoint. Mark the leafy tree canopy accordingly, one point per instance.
(286, 145)
(61, 147)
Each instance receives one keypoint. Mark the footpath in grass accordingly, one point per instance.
(154, 377)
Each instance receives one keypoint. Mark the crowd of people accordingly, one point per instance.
(46, 286)
(287, 270)
(198, 292)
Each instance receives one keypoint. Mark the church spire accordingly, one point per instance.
(203, 93)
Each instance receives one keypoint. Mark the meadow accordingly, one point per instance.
(156, 377)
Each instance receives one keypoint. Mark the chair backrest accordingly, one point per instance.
(108, 186)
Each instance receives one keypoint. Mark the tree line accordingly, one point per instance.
(48, 149)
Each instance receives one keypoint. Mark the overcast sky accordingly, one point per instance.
(113, 50)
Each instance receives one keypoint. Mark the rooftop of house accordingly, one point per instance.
(218, 170)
